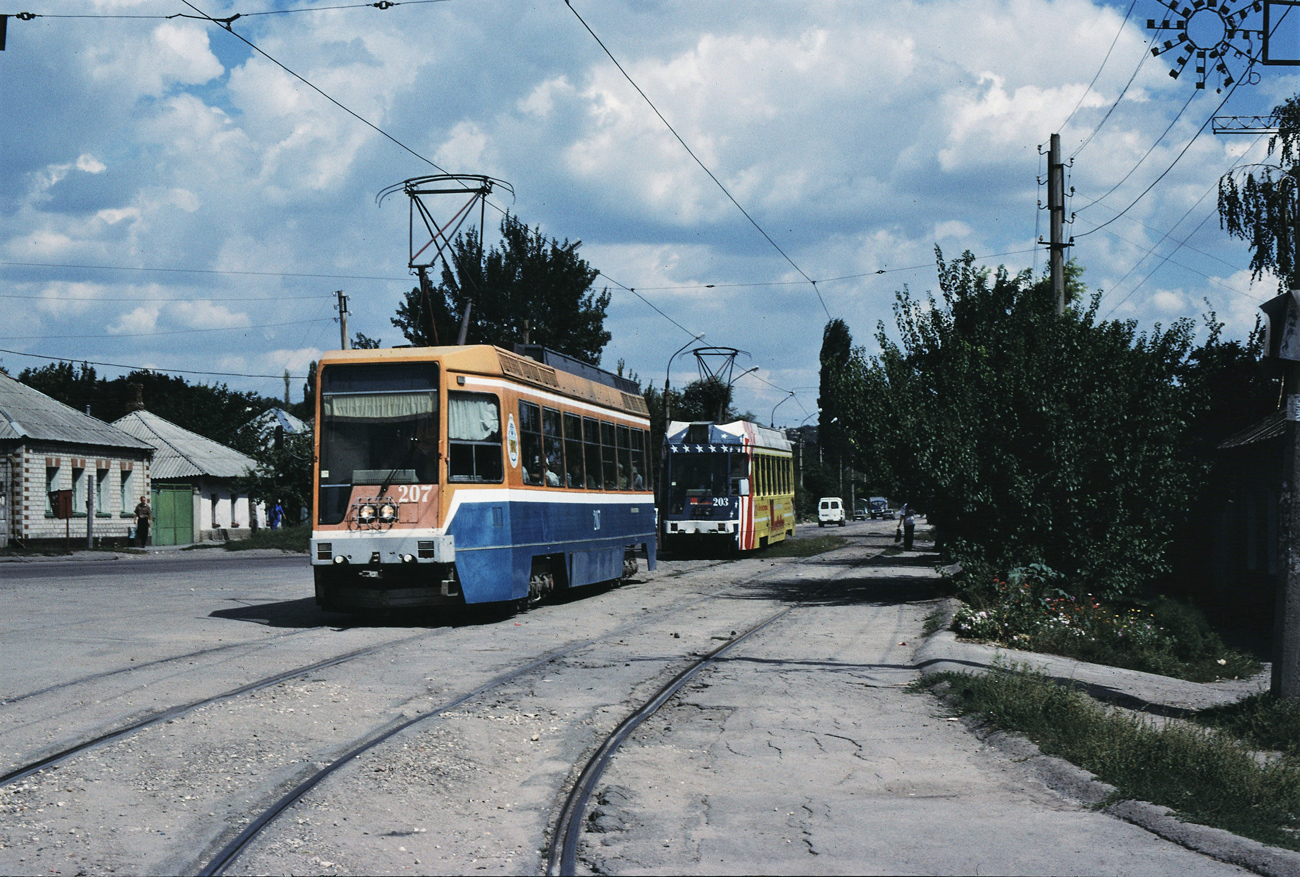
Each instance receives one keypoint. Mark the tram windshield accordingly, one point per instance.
(697, 476)
(379, 426)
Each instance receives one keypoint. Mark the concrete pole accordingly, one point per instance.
(1056, 212)
(343, 319)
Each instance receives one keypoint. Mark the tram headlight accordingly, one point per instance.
(340, 559)
(408, 558)
(387, 512)
(366, 513)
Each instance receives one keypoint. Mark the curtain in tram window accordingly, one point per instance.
(472, 418)
(387, 406)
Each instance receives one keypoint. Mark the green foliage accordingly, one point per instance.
(1027, 437)
(1207, 777)
(283, 473)
(361, 341)
(215, 412)
(1263, 720)
(1263, 208)
(1030, 610)
(528, 288)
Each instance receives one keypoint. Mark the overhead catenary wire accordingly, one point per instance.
(696, 158)
(1145, 155)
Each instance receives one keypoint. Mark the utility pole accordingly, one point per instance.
(1056, 214)
(343, 319)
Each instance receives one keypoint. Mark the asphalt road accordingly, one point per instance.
(804, 751)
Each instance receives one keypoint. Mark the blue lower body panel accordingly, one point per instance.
(497, 541)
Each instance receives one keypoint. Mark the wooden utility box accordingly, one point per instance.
(61, 502)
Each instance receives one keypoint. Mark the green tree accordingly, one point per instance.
(283, 472)
(527, 289)
(1026, 436)
(1260, 203)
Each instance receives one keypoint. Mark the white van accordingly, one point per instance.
(830, 510)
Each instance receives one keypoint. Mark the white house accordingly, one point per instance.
(47, 446)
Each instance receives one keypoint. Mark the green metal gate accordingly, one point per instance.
(173, 515)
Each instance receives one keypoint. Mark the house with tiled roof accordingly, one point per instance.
(46, 446)
(195, 483)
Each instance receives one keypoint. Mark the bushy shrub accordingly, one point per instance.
(1029, 609)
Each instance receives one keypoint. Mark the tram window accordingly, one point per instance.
(573, 476)
(530, 442)
(552, 448)
(638, 460)
(474, 437)
(608, 456)
(591, 443)
(624, 457)
(739, 470)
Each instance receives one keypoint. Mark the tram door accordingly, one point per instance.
(173, 515)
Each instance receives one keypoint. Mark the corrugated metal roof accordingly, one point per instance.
(26, 413)
(183, 454)
(268, 420)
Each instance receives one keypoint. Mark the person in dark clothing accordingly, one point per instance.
(142, 516)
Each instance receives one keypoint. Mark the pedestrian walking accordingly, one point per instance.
(907, 521)
(142, 516)
(277, 516)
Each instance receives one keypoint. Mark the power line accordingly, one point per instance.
(1173, 163)
(155, 334)
(1150, 150)
(692, 154)
(148, 268)
(1118, 33)
(146, 368)
(1123, 91)
(381, 5)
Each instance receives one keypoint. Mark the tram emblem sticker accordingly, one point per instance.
(512, 441)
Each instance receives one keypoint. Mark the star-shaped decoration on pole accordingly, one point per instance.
(1209, 33)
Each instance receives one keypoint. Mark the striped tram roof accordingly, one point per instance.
(26, 413)
(184, 454)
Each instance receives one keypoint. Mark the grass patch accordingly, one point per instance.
(1207, 776)
(297, 539)
(1262, 720)
(803, 547)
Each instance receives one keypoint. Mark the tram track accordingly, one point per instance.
(240, 825)
(562, 851)
(173, 712)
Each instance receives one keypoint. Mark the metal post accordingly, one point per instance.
(1056, 211)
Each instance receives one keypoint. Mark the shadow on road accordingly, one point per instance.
(886, 579)
(304, 613)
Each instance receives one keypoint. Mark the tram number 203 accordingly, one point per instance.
(722, 501)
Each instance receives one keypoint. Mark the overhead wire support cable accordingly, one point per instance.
(227, 27)
(1145, 155)
(145, 368)
(692, 154)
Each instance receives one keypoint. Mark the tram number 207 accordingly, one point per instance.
(413, 492)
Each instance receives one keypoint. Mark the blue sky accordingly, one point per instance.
(170, 199)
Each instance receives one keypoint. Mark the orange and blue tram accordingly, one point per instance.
(467, 475)
(727, 486)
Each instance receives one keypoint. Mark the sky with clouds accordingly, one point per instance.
(172, 198)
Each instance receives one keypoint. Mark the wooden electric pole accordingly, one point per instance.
(1056, 215)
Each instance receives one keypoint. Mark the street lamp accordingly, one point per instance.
(667, 403)
(771, 421)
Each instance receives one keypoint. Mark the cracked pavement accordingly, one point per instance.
(806, 751)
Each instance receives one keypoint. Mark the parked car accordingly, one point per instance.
(830, 510)
(878, 507)
(860, 512)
